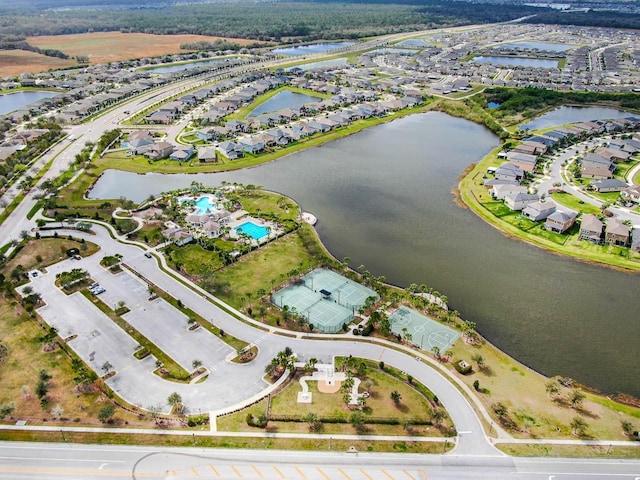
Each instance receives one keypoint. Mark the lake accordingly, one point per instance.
(334, 62)
(516, 61)
(543, 46)
(10, 102)
(383, 198)
(282, 100)
(183, 66)
(311, 49)
(415, 42)
(563, 115)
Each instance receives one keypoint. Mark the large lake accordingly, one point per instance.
(310, 49)
(516, 61)
(563, 115)
(383, 197)
(282, 100)
(543, 46)
(10, 102)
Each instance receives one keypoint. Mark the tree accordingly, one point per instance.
(437, 416)
(552, 388)
(356, 419)
(500, 410)
(479, 359)
(396, 396)
(436, 351)
(106, 367)
(313, 421)
(579, 426)
(106, 413)
(576, 398)
(196, 364)
(174, 399)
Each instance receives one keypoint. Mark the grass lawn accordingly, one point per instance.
(524, 393)
(19, 373)
(195, 260)
(15, 62)
(46, 251)
(105, 47)
(574, 203)
(412, 406)
(569, 451)
(265, 268)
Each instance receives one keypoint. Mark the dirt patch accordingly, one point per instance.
(324, 387)
(104, 47)
(15, 62)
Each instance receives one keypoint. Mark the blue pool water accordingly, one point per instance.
(203, 205)
(254, 231)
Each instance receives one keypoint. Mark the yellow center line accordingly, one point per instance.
(195, 472)
(300, 472)
(343, 473)
(366, 474)
(236, 470)
(214, 470)
(278, 471)
(387, 474)
(323, 474)
(255, 469)
(409, 475)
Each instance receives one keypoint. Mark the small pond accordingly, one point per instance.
(563, 115)
(334, 62)
(10, 102)
(516, 61)
(415, 42)
(542, 46)
(282, 100)
(310, 49)
(183, 66)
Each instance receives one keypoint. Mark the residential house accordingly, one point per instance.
(182, 154)
(212, 229)
(596, 166)
(519, 201)
(525, 161)
(560, 221)
(609, 185)
(500, 191)
(591, 228)
(207, 155)
(635, 240)
(177, 235)
(251, 144)
(537, 211)
(631, 194)
(159, 150)
(509, 171)
(230, 150)
(612, 154)
(616, 233)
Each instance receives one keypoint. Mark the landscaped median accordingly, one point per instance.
(513, 224)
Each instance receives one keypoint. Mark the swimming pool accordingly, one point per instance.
(254, 231)
(203, 204)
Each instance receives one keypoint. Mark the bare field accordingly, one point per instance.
(15, 62)
(104, 47)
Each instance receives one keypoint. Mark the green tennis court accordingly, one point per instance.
(326, 299)
(425, 332)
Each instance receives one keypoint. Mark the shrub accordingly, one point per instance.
(463, 367)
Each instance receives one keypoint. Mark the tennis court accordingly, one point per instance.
(425, 332)
(326, 299)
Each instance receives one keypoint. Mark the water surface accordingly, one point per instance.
(516, 61)
(310, 49)
(285, 99)
(184, 66)
(543, 46)
(383, 198)
(10, 102)
(563, 115)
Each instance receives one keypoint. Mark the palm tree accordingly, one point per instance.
(579, 426)
(396, 396)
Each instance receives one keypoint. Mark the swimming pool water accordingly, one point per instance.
(203, 205)
(254, 231)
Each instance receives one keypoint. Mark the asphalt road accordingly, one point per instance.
(42, 461)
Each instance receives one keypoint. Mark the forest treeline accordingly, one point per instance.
(300, 20)
(10, 42)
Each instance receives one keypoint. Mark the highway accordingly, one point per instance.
(42, 461)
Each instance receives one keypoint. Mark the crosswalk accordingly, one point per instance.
(289, 472)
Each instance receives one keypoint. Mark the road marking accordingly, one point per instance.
(195, 472)
(409, 475)
(343, 473)
(236, 470)
(387, 474)
(323, 474)
(255, 469)
(466, 431)
(423, 474)
(61, 459)
(214, 470)
(299, 472)
(278, 471)
(366, 474)
(102, 466)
